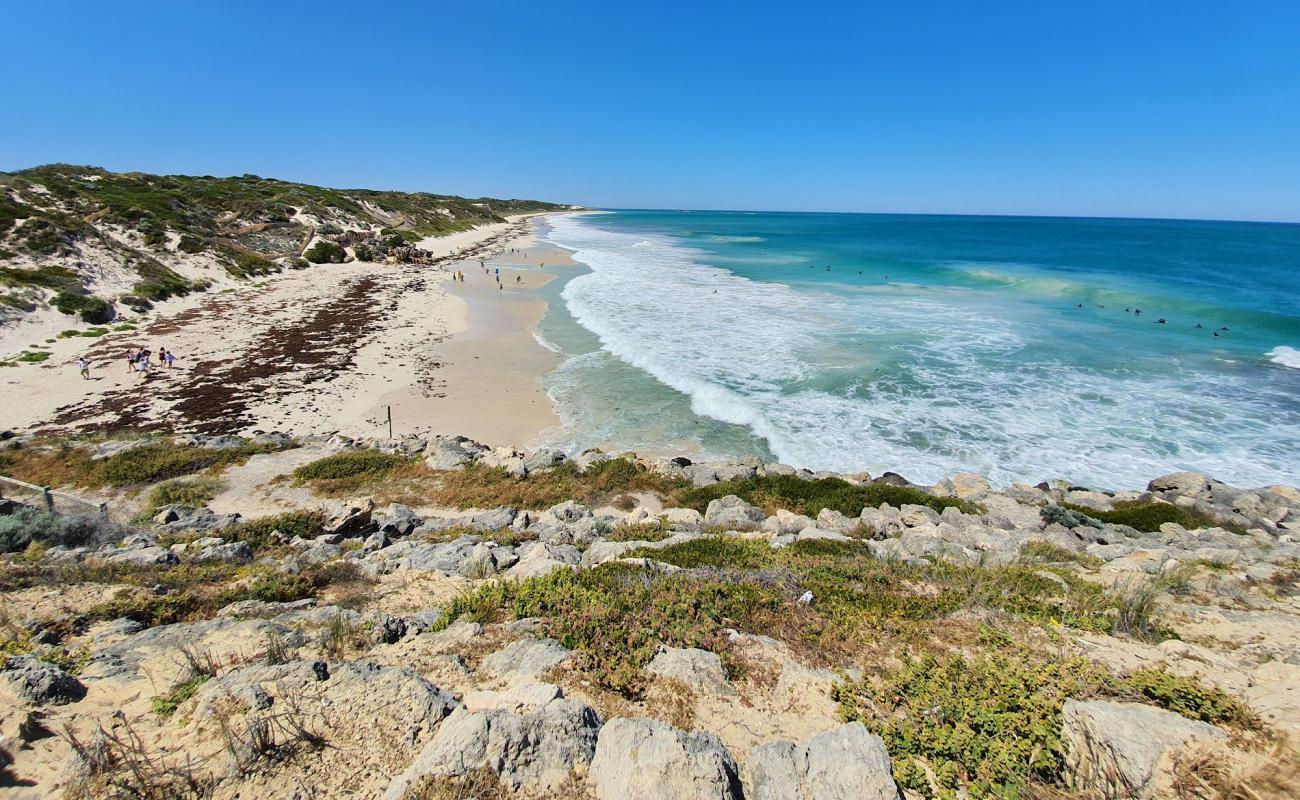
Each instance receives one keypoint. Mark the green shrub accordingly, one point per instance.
(33, 357)
(1188, 697)
(1047, 553)
(986, 726)
(1149, 516)
(257, 532)
(192, 492)
(151, 463)
(44, 277)
(615, 616)
(91, 309)
(326, 252)
(349, 465)
(248, 265)
(27, 525)
(811, 496)
(165, 705)
(723, 552)
(189, 243)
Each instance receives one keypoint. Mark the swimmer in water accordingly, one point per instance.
(1137, 311)
(1198, 326)
(1160, 321)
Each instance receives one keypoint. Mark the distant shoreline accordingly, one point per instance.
(322, 350)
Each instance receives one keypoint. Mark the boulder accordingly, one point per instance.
(143, 556)
(451, 452)
(352, 518)
(732, 513)
(1185, 483)
(682, 518)
(699, 669)
(1116, 748)
(569, 511)
(543, 459)
(488, 559)
(535, 753)
(41, 683)
(232, 553)
(650, 760)
(399, 520)
(845, 763)
(526, 658)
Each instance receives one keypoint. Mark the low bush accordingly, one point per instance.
(326, 252)
(151, 463)
(772, 492)
(90, 308)
(989, 725)
(249, 265)
(1047, 553)
(1149, 516)
(350, 464)
(28, 525)
(257, 532)
(44, 277)
(165, 705)
(193, 492)
(477, 486)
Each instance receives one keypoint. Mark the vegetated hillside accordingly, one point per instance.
(81, 239)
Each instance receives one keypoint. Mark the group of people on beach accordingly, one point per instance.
(138, 360)
(141, 360)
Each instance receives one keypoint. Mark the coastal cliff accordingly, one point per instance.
(435, 618)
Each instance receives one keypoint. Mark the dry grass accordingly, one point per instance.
(480, 784)
(1208, 773)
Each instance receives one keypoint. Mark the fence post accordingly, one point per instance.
(103, 510)
(49, 498)
(390, 422)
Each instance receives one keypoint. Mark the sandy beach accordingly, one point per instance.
(327, 349)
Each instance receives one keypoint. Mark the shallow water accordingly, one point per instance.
(1010, 346)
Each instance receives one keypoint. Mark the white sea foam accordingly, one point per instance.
(1286, 356)
(736, 239)
(958, 393)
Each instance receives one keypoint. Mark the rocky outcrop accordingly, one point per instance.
(697, 669)
(650, 760)
(41, 683)
(846, 763)
(535, 752)
(1116, 748)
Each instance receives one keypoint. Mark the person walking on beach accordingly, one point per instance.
(142, 363)
(162, 356)
(83, 364)
(130, 360)
(170, 358)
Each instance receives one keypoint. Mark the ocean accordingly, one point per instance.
(1022, 348)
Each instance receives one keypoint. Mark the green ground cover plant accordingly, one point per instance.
(772, 492)
(1149, 516)
(989, 724)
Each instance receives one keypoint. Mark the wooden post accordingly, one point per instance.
(49, 498)
(103, 510)
(390, 422)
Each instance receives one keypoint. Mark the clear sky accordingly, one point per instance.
(1134, 108)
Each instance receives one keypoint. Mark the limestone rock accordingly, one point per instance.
(732, 513)
(1115, 748)
(41, 683)
(534, 752)
(698, 669)
(650, 760)
(845, 763)
(526, 658)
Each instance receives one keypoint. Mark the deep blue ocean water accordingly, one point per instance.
(932, 344)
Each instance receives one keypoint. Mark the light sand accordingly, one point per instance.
(323, 350)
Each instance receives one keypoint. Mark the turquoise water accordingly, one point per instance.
(930, 344)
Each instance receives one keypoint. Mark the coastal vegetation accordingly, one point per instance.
(64, 227)
(802, 496)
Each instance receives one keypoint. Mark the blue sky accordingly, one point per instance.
(1136, 108)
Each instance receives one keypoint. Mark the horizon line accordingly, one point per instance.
(1099, 217)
